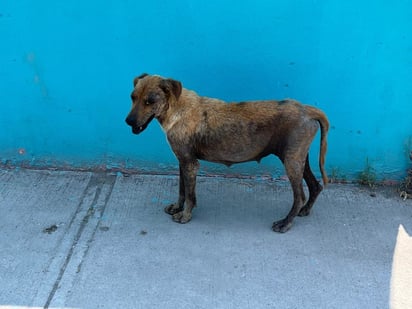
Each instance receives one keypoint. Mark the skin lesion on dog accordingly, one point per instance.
(202, 128)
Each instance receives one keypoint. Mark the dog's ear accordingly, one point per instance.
(171, 86)
(136, 79)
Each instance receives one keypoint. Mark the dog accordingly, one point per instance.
(202, 128)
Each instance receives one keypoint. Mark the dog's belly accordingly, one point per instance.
(229, 152)
(232, 160)
(236, 141)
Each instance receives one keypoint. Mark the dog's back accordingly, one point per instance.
(238, 132)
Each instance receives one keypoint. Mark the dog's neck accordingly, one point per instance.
(178, 109)
(172, 114)
(170, 122)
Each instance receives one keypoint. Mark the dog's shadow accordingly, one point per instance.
(241, 204)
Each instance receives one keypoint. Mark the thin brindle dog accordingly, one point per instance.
(201, 128)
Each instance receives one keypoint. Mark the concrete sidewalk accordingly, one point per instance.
(90, 240)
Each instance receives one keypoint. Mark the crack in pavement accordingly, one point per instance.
(96, 183)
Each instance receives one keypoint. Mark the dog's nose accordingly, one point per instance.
(130, 121)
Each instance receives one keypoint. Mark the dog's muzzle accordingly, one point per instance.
(136, 128)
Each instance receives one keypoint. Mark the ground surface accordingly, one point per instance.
(90, 240)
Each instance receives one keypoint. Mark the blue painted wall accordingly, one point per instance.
(67, 69)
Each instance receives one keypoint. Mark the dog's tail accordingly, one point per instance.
(320, 116)
(324, 128)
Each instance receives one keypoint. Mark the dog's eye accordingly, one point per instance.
(151, 99)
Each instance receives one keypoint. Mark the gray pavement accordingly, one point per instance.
(94, 240)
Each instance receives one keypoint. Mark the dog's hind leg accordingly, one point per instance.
(177, 207)
(189, 173)
(314, 188)
(294, 169)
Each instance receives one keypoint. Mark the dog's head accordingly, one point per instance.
(151, 98)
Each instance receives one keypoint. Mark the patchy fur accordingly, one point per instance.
(201, 128)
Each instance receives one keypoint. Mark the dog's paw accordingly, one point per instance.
(182, 217)
(173, 209)
(305, 211)
(281, 226)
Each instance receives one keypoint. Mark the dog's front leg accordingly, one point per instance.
(189, 172)
(177, 207)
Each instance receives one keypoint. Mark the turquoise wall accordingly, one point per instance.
(67, 69)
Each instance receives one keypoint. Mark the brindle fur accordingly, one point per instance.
(201, 128)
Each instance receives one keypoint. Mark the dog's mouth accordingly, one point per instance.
(139, 129)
